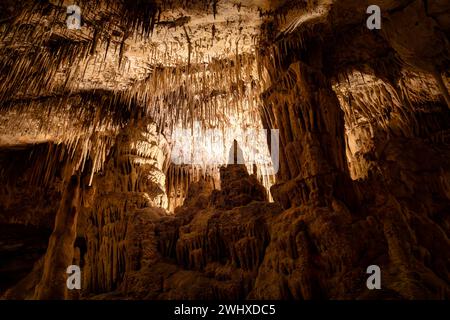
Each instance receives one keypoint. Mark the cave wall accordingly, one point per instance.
(363, 180)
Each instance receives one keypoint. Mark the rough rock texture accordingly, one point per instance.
(238, 188)
(364, 174)
(205, 251)
(131, 187)
(60, 251)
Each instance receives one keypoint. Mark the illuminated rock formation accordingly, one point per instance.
(115, 138)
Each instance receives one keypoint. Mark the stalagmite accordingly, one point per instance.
(60, 251)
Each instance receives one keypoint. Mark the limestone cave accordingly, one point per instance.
(224, 149)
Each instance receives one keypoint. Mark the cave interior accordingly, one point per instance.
(224, 149)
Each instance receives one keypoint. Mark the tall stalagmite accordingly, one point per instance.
(60, 251)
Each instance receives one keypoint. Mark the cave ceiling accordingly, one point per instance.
(171, 61)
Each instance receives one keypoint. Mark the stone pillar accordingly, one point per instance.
(60, 250)
(130, 189)
(311, 123)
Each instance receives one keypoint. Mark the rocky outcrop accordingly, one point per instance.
(334, 228)
(205, 250)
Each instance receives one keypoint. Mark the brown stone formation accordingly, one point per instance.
(133, 187)
(60, 251)
(88, 171)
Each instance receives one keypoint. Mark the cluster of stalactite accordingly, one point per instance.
(372, 105)
(180, 177)
(363, 173)
(59, 68)
(23, 172)
(97, 208)
(210, 93)
(46, 172)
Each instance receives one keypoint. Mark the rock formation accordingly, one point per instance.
(90, 117)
